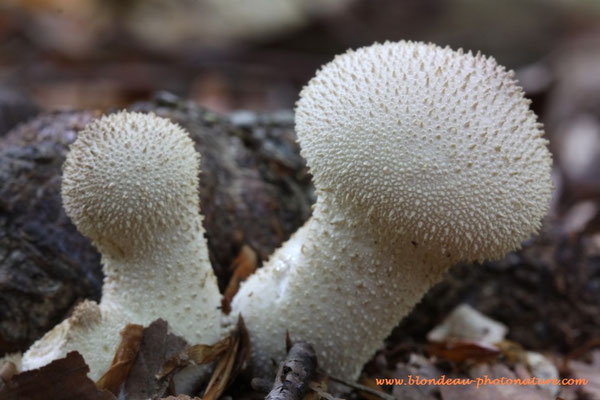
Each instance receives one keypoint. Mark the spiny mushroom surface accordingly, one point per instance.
(421, 157)
(130, 185)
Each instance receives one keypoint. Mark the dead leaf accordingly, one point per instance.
(243, 266)
(460, 351)
(198, 354)
(131, 337)
(203, 354)
(231, 352)
(62, 379)
(157, 346)
(230, 364)
(512, 351)
(222, 374)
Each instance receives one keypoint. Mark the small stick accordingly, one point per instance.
(295, 373)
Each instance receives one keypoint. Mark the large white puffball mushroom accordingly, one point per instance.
(421, 157)
(130, 185)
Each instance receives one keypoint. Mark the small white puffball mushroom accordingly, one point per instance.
(421, 157)
(130, 185)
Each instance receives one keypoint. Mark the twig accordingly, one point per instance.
(295, 373)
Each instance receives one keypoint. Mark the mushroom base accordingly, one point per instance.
(341, 284)
(170, 280)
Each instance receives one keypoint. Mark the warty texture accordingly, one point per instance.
(130, 184)
(421, 157)
(436, 145)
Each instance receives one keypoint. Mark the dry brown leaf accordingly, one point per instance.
(62, 379)
(157, 346)
(231, 352)
(512, 351)
(222, 374)
(230, 364)
(198, 354)
(204, 354)
(131, 337)
(243, 266)
(459, 351)
(173, 365)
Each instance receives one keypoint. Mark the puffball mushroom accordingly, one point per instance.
(421, 157)
(130, 185)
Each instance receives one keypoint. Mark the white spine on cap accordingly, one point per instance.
(421, 157)
(130, 185)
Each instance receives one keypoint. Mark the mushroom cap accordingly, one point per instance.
(127, 178)
(430, 145)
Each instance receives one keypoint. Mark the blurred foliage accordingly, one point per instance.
(256, 54)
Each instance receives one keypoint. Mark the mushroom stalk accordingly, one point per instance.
(335, 283)
(421, 157)
(143, 293)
